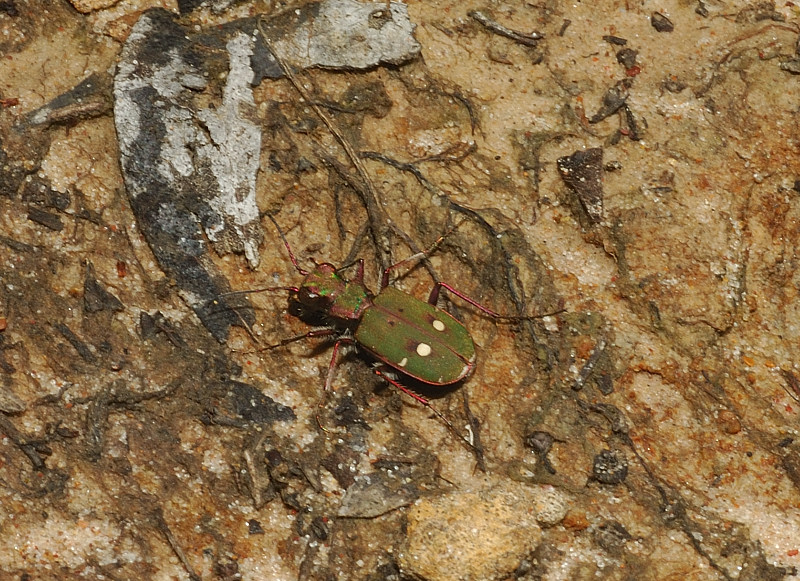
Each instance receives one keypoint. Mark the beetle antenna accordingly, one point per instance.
(302, 271)
(245, 324)
(346, 266)
(291, 289)
(236, 309)
(421, 255)
(529, 317)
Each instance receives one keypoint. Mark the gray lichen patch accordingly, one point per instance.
(349, 34)
(189, 171)
(233, 154)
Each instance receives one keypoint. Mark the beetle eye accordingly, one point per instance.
(303, 294)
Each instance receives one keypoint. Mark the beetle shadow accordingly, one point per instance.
(310, 317)
(425, 390)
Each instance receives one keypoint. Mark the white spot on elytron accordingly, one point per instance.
(438, 325)
(403, 362)
(423, 349)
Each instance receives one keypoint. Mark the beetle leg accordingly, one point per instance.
(359, 277)
(329, 378)
(381, 372)
(334, 358)
(434, 297)
(385, 277)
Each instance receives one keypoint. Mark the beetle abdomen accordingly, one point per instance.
(416, 338)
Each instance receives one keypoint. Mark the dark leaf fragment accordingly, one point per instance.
(583, 173)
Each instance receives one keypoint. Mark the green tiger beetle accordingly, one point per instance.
(403, 333)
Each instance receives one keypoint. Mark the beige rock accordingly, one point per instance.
(86, 6)
(479, 535)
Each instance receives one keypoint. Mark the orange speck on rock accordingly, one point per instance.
(728, 422)
(576, 521)
(585, 348)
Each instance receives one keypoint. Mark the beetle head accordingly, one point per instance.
(320, 287)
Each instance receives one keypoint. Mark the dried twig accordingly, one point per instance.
(531, 39)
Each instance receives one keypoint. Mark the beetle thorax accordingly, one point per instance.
(324, 291)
